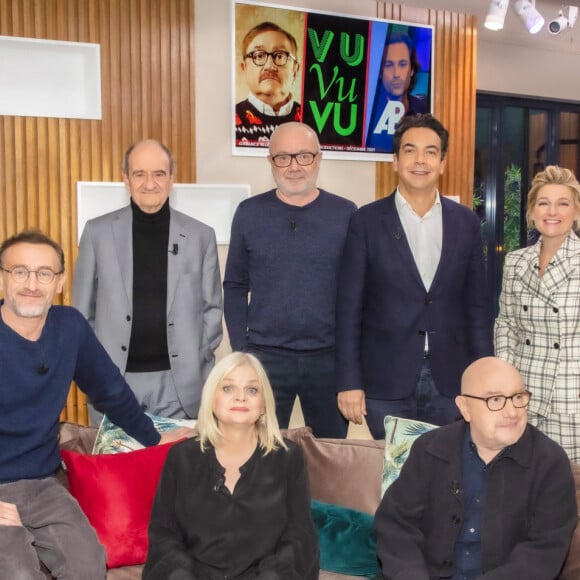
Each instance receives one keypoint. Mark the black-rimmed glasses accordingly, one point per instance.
(285, 159)
(279, 57)
(21, 273)
(498, 402)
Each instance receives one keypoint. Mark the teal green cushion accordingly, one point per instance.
(347, 540)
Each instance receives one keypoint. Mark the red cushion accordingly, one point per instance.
(116, 493)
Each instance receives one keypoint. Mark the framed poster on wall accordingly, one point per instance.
(351, 79)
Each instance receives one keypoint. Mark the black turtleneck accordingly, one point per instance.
(148, 347)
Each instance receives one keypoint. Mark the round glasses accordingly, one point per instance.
(279, 57)
(497, 402)
(285, 159)
(21, 274)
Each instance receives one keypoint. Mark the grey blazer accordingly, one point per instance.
(103, 292)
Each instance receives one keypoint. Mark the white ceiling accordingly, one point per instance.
(514, 31)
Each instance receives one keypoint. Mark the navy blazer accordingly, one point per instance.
(384, 310)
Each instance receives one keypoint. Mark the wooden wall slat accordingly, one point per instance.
(454, 96)
(147, 90)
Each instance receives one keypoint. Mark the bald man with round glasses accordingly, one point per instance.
(485, 497)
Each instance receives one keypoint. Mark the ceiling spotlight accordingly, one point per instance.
(561, 23)
(532, 19)
(496, 14)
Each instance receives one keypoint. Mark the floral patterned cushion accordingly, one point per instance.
(112, 439)
(400, 434)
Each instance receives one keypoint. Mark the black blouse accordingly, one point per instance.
(263, 531)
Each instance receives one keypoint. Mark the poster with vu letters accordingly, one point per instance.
(351, 79)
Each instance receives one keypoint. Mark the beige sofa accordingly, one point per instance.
(342, 471)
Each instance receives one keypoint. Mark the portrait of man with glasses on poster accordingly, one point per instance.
(350, 79)
(267, 83)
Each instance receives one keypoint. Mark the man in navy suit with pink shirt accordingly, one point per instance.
(413, 309)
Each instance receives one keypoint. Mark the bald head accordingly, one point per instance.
(486, 374)
(296, 182)
(492, 379)
(293, 131)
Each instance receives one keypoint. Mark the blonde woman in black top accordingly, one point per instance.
(234, 502)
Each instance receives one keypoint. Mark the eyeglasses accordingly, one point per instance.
(279, 57)
(497, 402)
(21, 274)
(285, 159)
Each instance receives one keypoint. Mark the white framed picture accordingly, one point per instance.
(211, 204)
(50, 78)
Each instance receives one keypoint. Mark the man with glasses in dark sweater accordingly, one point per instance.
(42, 349)
(284, 253)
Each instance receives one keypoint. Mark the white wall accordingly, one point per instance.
(531, 71)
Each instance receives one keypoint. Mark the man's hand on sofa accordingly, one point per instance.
(9, 515)
(176, 435)
(352, 405)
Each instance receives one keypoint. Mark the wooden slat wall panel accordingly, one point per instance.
(147, 85)
(454, 98)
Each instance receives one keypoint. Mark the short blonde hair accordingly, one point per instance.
(552, 175)
(269, 436)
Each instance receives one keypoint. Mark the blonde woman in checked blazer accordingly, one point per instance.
(538, 327)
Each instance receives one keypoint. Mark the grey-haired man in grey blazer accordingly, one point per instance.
(147, 279)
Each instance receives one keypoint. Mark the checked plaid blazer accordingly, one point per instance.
(538, 327)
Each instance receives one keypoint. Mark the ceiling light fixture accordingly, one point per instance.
(496, 14)
(532, 19)
(558, 24)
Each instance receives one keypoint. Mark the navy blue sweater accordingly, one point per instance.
(35, 377)
(286, 257)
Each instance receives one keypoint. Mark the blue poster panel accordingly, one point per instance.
(351, 79)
